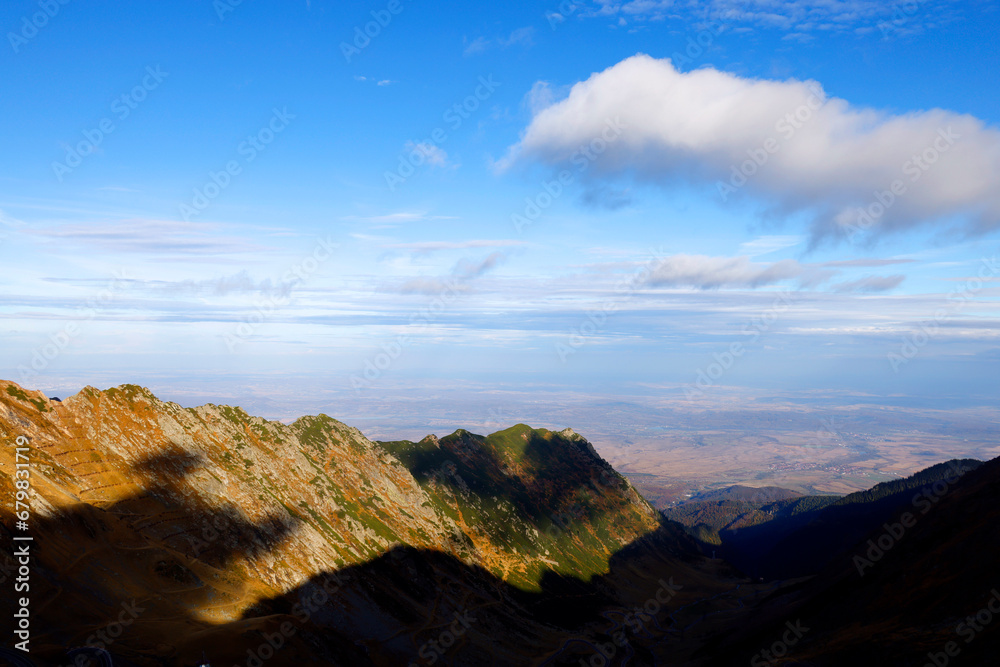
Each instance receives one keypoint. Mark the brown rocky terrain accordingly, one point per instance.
(218, 526)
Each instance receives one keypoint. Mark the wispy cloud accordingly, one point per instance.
(796, 17)
(116, 188)
(237, 283)
(433, 246)
(865, 263)
(10, 222)
(478, 45)
(764, 245)
(433, 154)
(871, 284)
(377, 82)
(522, 36)
(541, 96)
(150, 237)
(399, 217)
(463, 272)
(705, 272)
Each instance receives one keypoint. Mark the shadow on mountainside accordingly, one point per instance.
(136, 574)
(414, 606)
(801, 545)
(926, 593)
(140, 574)
(517, 465)
(141, 577)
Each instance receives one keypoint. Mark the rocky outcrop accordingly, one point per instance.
(202, 515)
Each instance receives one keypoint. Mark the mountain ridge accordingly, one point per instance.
(307, 543)
(204, 514)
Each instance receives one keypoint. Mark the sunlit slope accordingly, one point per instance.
(197, 514)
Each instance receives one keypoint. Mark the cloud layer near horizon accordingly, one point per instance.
(783, 142)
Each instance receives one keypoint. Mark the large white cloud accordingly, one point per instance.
(794, 147)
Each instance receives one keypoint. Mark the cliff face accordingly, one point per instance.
(203, 515)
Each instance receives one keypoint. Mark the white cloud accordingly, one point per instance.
(377, 82)
(767, 244)
(705, 272)
(154, 237)
(239, 283)
(521, 36)
(478, 45)
(399, 217)
(796, 16)
(866, 263)
(870, 284)
(466, 270)
(648, 9)
(434, 155)
(116, 188)
(431, 246)
(540, 97)
(820, 155)
(462, 273)
(8, 221)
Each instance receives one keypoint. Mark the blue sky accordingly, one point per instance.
(193, 193)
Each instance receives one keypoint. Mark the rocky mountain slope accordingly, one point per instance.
(920, 589)
(162, 533)
(217, 524)
(801, 538)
